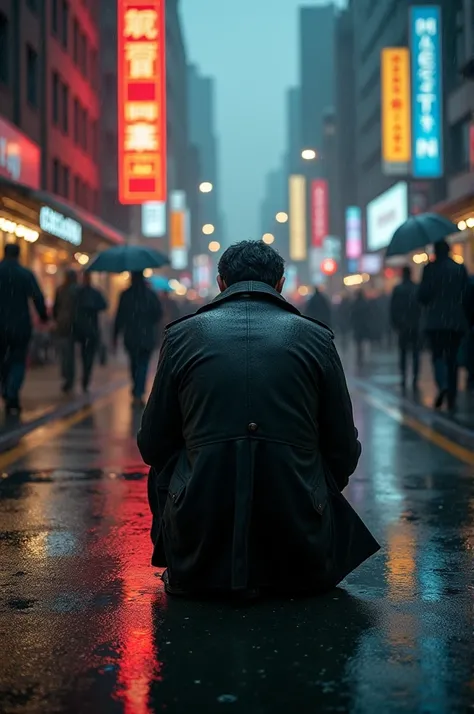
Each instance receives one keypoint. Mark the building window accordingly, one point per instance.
(32, 76)
(93, 68)
(54, 16)
(65, 108)
(65, 24)
(85, 132)
(4, 49)
(75, 41)
(66, 181)
(55, 176)
(55, 98)
(76, 121)
(84, 55)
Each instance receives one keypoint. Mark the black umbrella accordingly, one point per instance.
(127, 258)
(418, 232)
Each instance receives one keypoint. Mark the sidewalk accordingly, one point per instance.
(42, 398)
(380, 373)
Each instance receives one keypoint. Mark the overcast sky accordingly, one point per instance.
(251, 48)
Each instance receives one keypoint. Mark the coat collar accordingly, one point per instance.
(252, 288)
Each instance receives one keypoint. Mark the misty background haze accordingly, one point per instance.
(251, 49)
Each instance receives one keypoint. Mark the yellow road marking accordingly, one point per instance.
(459, 452)
(46, 433)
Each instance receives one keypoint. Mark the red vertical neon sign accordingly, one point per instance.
(319, 212)
(142, 100)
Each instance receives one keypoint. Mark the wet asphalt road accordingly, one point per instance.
(85, 626)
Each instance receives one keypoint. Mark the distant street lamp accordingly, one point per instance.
(309, 154)
(206, 187)
(268, 238)
(208, 229)
(282, 217)
(214, 246)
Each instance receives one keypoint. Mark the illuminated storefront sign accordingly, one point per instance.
(179, 228)
(427, 91)
(396, 113)
(353, 233)
(154, 219)
(142, 101)
(60, 226)
(297, 202)
(319, 212)
(385, 214)
(20, 158)
(18, 230)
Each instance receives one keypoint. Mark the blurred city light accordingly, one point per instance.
(208, 229)
(206, 187)
(282, 217)
(462, 225)
(214, 246)
(173, 283)
(82, 258)
(329, 266)
(458, 259)
(309, 154)
(268, 238)
(470, 222)
(352, 280)
(148, 272)
(303, 290)
(420, 258)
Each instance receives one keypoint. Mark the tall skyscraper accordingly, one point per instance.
(202, 131)
(317, 35)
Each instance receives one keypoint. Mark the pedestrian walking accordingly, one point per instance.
(89, 304)
(18, 287)
(250, 435)
(318, 308)
(362, 328)
(64, 313)
(405, 315)
(443, 292)
(138, 317)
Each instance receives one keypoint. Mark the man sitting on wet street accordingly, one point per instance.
(250, 436)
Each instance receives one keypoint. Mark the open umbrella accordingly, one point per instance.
(127, 258)
(419, 231)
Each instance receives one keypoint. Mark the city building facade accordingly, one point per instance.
(49, 134)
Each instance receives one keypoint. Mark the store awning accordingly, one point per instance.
(90, 222)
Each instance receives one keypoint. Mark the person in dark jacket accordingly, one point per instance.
(18, 286)
(318, 308)
(64, 313)
(138, 317)
(405, 315)
(89, 304)
(443, 292)
(251, 439)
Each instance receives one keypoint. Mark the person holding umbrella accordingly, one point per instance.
(139, 311)
(138, 317)
(443, 292)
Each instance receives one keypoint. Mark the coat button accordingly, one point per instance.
(252, 426)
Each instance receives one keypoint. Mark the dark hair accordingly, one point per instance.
(12, 250)
(251, 260)
(441, 249)
(406, 272)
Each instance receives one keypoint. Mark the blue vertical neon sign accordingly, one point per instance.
(426, 78)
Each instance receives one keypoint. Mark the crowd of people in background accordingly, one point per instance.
(75, 323)
(437, 314)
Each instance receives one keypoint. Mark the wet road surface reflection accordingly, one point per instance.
(85, 626)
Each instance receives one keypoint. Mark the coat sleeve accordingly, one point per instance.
(340, 446)
(161, 433)
(38, 299)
